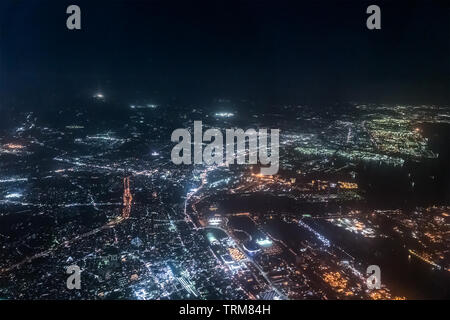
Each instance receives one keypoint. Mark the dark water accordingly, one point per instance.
(392, 187)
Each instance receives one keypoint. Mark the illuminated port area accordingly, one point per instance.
(358, 187)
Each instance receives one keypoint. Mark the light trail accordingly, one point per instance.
(424, 259)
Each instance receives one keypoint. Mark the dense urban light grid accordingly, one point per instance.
(358, 121)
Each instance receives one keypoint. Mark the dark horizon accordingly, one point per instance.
(288, 52)
(246, 151)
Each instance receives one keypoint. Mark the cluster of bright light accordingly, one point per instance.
(99, 95)
(147, 106)
(13, 195)
(354, 226)
(224, 114)
(264, 242)
(142, 294)
(13, 180)
(102, 137)
(14, 146)
(214, 221)
(211, 238)
(322, 239)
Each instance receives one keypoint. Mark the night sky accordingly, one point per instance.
(272, 51)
